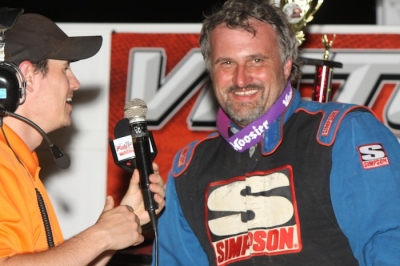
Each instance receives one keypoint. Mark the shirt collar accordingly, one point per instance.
(21, 150)
(274, 135)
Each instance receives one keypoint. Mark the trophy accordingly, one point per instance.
(323, 72)
(299, 13)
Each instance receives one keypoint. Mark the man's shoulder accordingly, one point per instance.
(332, 116)
(314, 107)
(8, 164)
(185, 155)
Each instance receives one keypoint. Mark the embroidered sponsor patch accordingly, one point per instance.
(328, 123)
(253, 216)
(182, 156)
(373, 156)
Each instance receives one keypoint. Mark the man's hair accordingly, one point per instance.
(42, 67)
(235, 14)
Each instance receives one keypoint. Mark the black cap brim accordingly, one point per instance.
(77, 48)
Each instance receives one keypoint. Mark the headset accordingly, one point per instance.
(12, 81)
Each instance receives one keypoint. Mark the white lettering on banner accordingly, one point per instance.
(385, 93)
(165, 96)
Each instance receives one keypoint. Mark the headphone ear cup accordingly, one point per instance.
(12, 86)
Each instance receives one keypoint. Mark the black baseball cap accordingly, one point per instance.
(35, 38)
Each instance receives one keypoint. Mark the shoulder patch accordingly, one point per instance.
(372, 156)
(184, 156)
(328, 123)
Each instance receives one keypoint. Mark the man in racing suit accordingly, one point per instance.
(283, 181)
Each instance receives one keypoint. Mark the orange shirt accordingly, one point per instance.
(21, 224)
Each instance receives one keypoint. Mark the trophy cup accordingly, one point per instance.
(299, 13)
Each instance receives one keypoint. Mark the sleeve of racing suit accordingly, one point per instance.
(178, 245)
(365, 188)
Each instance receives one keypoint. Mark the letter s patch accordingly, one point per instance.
(372, 156)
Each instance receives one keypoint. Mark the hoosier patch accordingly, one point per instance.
(373, 156)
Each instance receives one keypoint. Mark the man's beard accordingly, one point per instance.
(246, 112)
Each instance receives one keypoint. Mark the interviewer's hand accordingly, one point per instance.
(134, 198)
(120, 226)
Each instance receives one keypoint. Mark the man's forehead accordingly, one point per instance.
(255, 27)
(258, 29)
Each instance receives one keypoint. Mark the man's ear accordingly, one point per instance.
(28, 70)
(287, 68)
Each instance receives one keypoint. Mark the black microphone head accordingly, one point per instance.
(61, 159)
(135, 110)
(63, 162)
(122, 128)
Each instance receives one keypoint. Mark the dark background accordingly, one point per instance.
(333, 12)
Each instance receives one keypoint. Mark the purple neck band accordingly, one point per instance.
(253, 132)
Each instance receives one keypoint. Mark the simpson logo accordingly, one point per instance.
(328, 123)
(373, 156)
(257, 243)
(237, 211)
(182, 156)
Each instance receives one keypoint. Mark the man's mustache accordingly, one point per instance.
(234, 88)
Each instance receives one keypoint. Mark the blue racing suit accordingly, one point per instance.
(322, 188)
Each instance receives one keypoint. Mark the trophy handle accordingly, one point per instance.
(327, 44)
(299, 13)
(311, 11)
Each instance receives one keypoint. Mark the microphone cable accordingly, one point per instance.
(153, 220)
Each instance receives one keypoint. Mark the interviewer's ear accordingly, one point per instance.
(28, 70)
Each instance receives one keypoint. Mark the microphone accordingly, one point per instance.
(122, 148)
(135, 111)
(62, 160)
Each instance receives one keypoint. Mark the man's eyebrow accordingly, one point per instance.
(222, 59)
(252, 56)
